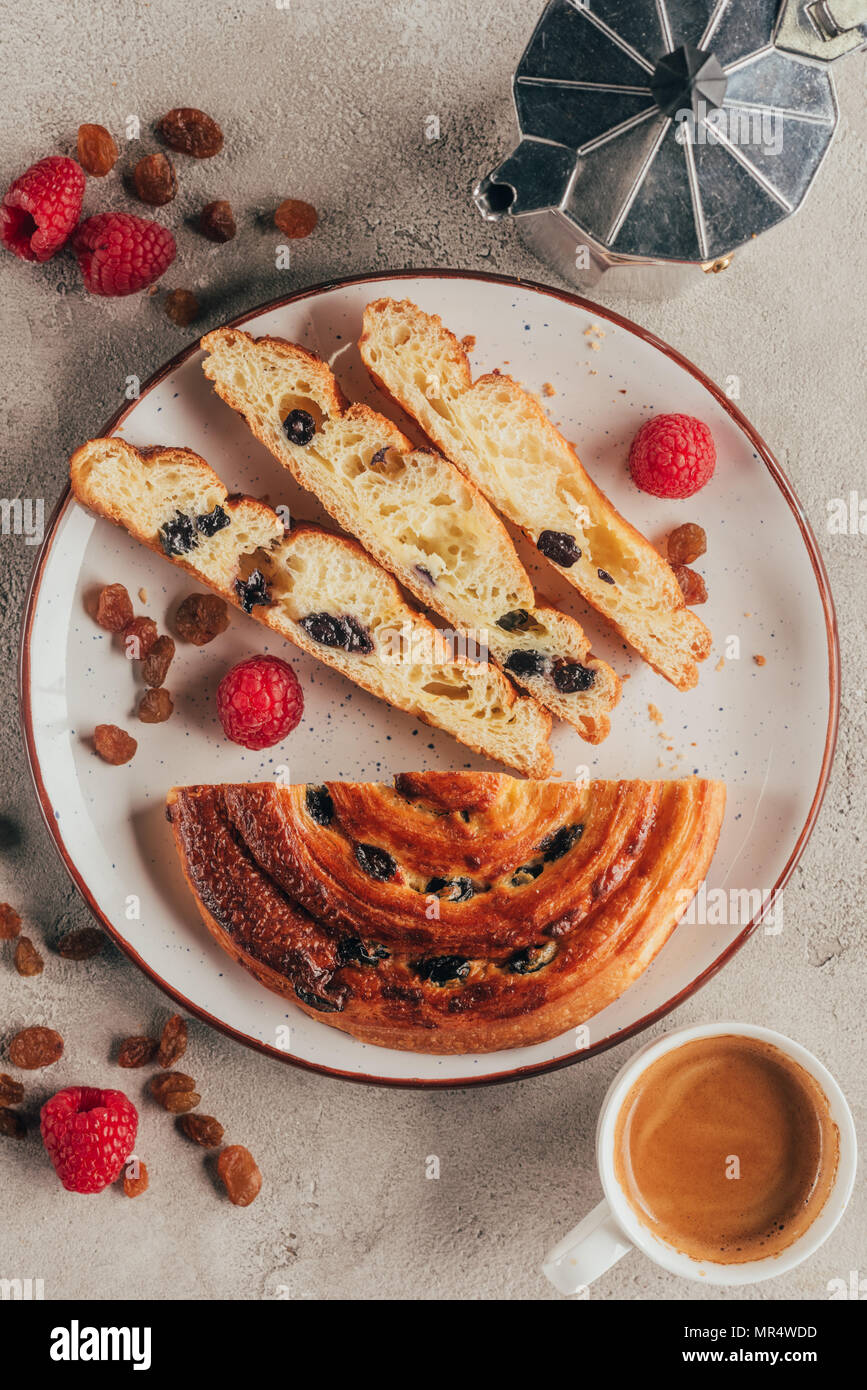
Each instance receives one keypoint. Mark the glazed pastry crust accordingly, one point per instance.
(417, 514)
(501, 438)
(573, 889)
(310, 571)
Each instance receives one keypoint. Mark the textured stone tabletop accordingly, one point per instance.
(328, 102)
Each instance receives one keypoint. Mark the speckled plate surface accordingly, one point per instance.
(767, 729)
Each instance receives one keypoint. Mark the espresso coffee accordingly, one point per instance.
(726, 1149)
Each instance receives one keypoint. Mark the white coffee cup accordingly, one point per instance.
(612, 1229)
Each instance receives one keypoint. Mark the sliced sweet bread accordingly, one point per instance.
(502, 439)
(451, 912)
(417, 514)
(318, 590)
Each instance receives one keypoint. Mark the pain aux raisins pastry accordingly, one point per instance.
(451, 912)
(322, 592)
(501, 438)
(417, 514)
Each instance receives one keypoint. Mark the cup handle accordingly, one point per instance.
(590, 1248)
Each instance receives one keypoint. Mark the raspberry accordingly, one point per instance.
(41, 208)
(672, 456)
(259, 701)
(89, 1134)
(120, 254)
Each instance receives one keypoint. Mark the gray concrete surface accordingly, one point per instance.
(327, 101)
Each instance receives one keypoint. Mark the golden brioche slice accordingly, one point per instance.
(417, 514)
(318, 590)
(501, 438)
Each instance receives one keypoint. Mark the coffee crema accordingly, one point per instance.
(726, 1149)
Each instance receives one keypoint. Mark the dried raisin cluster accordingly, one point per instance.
(118, 253)
(176, 1092)
(142, 643)
(685, 544)
(78, 945)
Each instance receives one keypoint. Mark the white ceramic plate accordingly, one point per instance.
(768, 730)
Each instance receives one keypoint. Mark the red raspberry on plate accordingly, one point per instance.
(672, 456)
(89, 1135)
(120, 254)
(40, 209)
(259, 701)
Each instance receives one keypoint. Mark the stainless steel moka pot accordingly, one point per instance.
(658, 136)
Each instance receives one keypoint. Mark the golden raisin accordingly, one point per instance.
(191, 131)
(97, 150)
(139, 636)
(11, 1091)
(182, 307)
(201, 618)
(692, 586)
(686, 543)
(156, 664)
(241, 1177)
(33, 1048)
(114, 608)
(177, 1102)
(82, 944)
(175, 1092)
(155, 180)
(10, 922)
(168, 1081)
(28, 961)
(135, 1177)
(295, 218)
(137, 1052)
(155, 707)
(173, 1041)
(203, 1130)
(217, 221)
(113, 745)
(12, 1124)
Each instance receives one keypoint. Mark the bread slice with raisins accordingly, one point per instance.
(452, 912)
(321, 591)
(417, 515)
(502, 439)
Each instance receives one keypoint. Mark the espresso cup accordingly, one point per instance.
(612, 1229)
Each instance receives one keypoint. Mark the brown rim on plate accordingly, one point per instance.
(779, 477)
